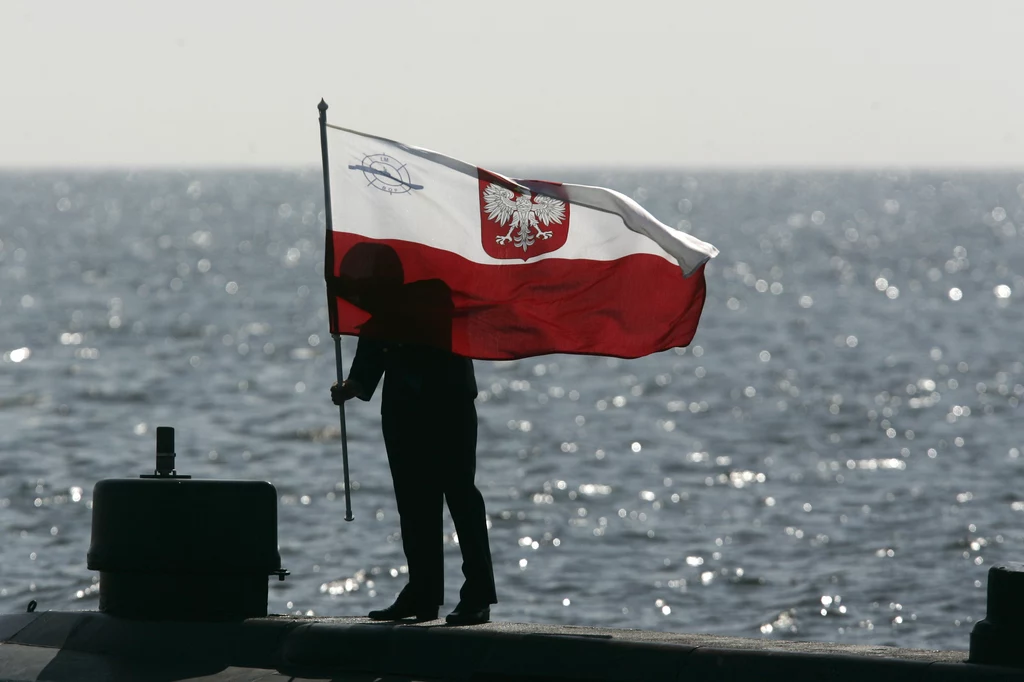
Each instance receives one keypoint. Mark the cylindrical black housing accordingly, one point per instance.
(181, 549)
(996, 640)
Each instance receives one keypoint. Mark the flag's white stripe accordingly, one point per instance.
(445, 213)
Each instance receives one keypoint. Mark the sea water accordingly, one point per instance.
(836, 456)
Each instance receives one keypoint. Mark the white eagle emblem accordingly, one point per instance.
(525, 213)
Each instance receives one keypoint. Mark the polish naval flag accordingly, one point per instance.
(424, 248)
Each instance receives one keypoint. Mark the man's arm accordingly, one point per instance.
(367, 369)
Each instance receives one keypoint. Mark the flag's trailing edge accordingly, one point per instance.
(430, 249)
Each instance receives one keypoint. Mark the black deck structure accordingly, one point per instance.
(87, 646)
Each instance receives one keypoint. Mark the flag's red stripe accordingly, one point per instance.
(628, 307)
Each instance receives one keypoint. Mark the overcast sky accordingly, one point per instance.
(682, 83)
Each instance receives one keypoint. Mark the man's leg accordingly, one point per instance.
(466, 504)
(420, 504)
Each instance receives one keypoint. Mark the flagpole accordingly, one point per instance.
(337, 337)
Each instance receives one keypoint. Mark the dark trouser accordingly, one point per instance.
(432, 454)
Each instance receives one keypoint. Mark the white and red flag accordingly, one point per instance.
(429, 249)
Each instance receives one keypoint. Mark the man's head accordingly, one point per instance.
(370, 276)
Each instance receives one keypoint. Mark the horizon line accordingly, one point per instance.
(698, 168)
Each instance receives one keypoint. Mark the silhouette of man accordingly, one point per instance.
(430, 428)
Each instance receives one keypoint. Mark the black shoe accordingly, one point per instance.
(468, 614)
(401, 611)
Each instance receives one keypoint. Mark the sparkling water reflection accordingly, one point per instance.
(833, 459)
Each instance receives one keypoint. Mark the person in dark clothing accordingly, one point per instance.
(429, 423)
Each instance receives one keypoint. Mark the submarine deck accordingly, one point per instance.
(85, 645)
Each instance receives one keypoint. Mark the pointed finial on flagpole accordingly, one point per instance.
(322, 106)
